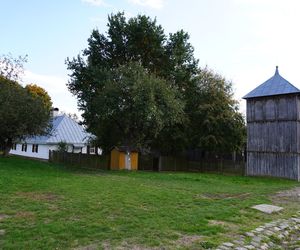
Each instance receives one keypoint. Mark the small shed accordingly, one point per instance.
(123, 158)
(273, 129)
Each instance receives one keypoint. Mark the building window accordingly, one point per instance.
(24, 147)
(35, 148)
(14, 146)
(92, 150)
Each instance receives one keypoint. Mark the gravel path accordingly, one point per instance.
(279, 234)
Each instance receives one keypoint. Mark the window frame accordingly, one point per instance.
(24, 147)
(35, 148)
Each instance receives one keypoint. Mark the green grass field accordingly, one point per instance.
(45, 206)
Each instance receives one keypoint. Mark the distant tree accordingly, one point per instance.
(12, 68)
(39, 92)
(73, 116)
(215, 121)
(62, 146)
(21, 114)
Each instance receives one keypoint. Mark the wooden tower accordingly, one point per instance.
(273, 129)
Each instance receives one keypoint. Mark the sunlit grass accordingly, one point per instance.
(52, 207)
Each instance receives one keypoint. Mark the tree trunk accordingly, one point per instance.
(8, 146)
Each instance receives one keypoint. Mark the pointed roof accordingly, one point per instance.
(64, 129)
(276, 85)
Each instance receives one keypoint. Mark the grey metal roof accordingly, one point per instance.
(276, 85)
(64, 129)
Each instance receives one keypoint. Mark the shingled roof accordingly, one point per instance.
(276, 85)
(64, 129)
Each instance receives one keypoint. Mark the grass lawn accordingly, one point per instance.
(47, 206)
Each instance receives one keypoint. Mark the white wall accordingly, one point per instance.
(69, 148)
(43, 151)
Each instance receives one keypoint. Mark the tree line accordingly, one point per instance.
(24, 111)
(141, 88)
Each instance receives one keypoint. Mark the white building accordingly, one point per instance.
(64, 129)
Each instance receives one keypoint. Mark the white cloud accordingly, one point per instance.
(95, 2)
(155, 4)
(56, 88)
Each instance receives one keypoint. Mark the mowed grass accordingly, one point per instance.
(47, 206)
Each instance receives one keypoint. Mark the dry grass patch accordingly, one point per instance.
(290, 195)
(188, 240)
(222, 196)
(48, 197)
(28, 216)
(88, 247)
(3, 217)
(225, 224)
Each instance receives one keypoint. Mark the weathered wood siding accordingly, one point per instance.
(273, 144)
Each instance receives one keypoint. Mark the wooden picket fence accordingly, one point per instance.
(80, 160)
(170, 163)
(151, 163)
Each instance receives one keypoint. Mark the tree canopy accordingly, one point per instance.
(39, 92)
(136, 85)
(215, 122)
(132, 108)
(21, 113)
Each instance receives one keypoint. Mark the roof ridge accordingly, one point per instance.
(54, 128)
(276, 85)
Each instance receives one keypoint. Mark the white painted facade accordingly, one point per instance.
(43, 151)
(65, 130)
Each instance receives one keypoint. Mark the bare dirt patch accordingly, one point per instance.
(48, 197)
(188, 240)
(89, 247)
(127, 246)
(225, 224)
(3, 217)
(25, 215)
(221, 196)
(291, 195)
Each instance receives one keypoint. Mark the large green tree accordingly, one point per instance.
(132, 108)
(215, 121)
(21, 114)
(165, 58)
(139, 39)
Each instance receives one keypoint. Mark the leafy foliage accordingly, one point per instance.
(62, 146)
(39, 92)
(113, 72)
(21, 114)
(216, 124)
(132, 108)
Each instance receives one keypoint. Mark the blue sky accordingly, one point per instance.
(241, 39)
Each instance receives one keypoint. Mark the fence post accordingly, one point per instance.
(221, 164)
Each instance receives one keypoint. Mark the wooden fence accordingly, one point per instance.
(169, 163)
(80, 160)
(150, 163)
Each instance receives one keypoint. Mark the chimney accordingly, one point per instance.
(54, 112)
